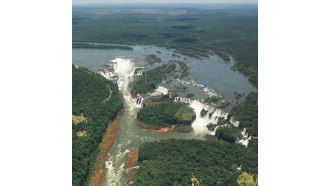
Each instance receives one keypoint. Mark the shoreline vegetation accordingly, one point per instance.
(91, 115)
(166, 116)
(100, 46)
(107, 142)
(130, 163)
(154, 130)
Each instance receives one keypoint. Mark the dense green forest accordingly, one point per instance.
(150, 79)
(166, 114)
(190, 30)
(172, 162)
(227, 134)
(100, 46)
(97, 101)
(247, 113)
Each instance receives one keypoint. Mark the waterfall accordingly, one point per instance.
(245, 142)
(246, 139)
(162, 90)
(138, 101)
(234, 122)
(199, 124)
(124, 68)
(244, 133)
(214, 114)
(214, 131)
(182, 100)
(107, 71)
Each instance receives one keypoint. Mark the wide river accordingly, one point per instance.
(213, 72)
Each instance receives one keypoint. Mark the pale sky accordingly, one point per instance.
(163, 1)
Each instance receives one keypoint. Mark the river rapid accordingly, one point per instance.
(130, 135)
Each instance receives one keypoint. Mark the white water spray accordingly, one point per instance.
(138, 101)
(124, 68)
(162, 90)
(214, 131)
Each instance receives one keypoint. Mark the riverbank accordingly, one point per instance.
(130, 164)
(154, 130)
(107, 141)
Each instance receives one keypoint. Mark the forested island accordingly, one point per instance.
(152, 59)
(167, 115)
(95, 102)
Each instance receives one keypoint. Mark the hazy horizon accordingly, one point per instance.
(164, 2)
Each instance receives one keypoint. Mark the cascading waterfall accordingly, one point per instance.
(139, 73)
(244, 133)
(214, 131)
(246, 138)
(200, 123)
(124, 68)
(162, 90)
(245, 141)
(107, 72)
(234, 122)
(212, 116)
(138, 101)
(133, 71)
(182, 100)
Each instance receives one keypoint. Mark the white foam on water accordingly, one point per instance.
(162, 90)
(200, 123)
(124, 68)
(214, 131)
(138, 101)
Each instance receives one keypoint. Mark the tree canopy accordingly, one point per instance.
(89, 99)
(172, 162)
